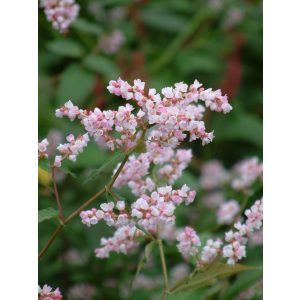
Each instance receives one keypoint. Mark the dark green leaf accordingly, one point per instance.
(86, 26)
(66, 47)
(101, 65)
(239, 126)
(208, 277)
(76, 84)
(243, 282)
(47, 214)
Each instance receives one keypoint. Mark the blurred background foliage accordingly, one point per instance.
(219, 42)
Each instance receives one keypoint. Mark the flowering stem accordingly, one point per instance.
(164, 268)
(82, 207)
(60, 212)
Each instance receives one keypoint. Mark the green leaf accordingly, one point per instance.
(76, 84)
(66, 47)
(239, 126)
(47, 214)
(162, 19)
(86, 26)
(243, 282)
(208, 277)
(101, 65)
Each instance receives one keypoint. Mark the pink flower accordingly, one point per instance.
(46, 293)
(237, 240)
(71, 149)
(61, 13)
(213, 175)
(211, 250)
(42, 149)
(189, 242)
(246, 173)
(110, 44)
(227, 211)
(123, 241)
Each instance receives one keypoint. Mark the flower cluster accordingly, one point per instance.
(61, 13)
(173, 170)
(227, 211)
(246, 173)
(71, 149)
(110, 44)
(113, 215)
(213, 175)
(160, 122)
(46, 293)
(236, 249)
(133, 174)
(42, 148)
(157, 210)
(188, 242)
(123, 241)
(211, 250)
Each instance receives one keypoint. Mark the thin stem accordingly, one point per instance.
(60, 212)
(50, 241)
(164, 268)
(83, 206)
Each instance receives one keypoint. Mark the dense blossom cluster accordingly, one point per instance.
(235, 242)
(236, 249)
(71, 149)
(113, 215)
(160, 122)
(211, 250)
(246, 173)
(61, 13)
(173, 170)
(241, 177)
(110, 44)
(42, 149)
(157, 210)
(123, 241)
(213, 175)
(188, 242)
(46, 293)
(227, 211)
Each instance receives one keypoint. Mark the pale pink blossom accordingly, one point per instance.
(42, 149)
(123, 241)
(157, 210)
(111, 43)
(68, 110)
(188, 242)
(227, 212)
(173, 170)
(246, 172)
(236, 249)
(211, 250)
(61, 13)
(213, 175)
(71, 149)
(46, 293)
